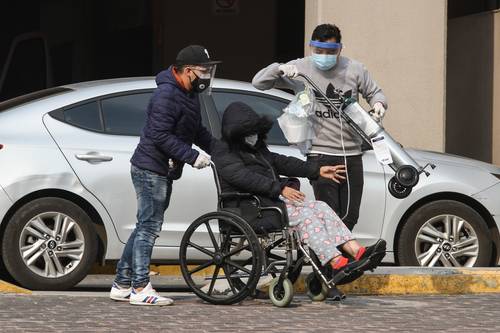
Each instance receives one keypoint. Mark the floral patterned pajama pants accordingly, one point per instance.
(319, 227)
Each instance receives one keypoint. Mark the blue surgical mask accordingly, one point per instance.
(324, 62)
(252, 139)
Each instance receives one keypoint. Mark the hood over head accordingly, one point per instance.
(240, 120)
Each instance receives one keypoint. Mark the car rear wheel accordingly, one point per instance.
(444, 233)
(49, 244)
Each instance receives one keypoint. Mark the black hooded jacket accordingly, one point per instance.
(173, 124)
(256, 170)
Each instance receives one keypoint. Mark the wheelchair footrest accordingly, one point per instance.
(351, 272)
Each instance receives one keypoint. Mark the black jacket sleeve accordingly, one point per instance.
(163, 120)
(231, 168)
(293, 167)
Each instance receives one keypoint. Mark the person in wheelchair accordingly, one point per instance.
(245, 164)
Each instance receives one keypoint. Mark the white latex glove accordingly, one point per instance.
(201, 162)
(290, 71)
(378, 111)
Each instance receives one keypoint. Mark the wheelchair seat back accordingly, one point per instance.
(247, 206)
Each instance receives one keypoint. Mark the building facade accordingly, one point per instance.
(438, 61)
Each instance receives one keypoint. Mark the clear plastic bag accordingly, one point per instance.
(303, 104)
(296, 129)
(295, 122)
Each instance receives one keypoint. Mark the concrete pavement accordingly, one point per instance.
(47, 311)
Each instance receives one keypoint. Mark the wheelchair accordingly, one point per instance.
(226, 268)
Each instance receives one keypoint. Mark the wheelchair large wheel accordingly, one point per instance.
(221, 258)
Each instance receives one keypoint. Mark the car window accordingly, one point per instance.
(268, 106)
(84, 115)
(125, 114)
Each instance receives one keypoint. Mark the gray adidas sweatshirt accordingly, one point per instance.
(350, 76)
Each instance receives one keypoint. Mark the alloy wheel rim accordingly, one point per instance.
(447, 240)
(51, 244)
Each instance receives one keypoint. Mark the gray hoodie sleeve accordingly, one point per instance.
(269, 77)
(370, 90)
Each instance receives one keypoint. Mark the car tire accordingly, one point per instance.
(39, 259)
(424, 240)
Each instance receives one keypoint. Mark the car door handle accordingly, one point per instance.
(93, 157)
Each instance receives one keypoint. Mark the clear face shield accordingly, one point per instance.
(331, 48)
(325, 54)
(204, 78)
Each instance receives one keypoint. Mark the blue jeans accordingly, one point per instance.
(153, 197)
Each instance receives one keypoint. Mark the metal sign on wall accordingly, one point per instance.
(225, 7)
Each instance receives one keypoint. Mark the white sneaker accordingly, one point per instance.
(149, 296)
(118, 293)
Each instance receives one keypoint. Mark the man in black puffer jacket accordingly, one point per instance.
(173, 124)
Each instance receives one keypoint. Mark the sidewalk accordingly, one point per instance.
(63, 313)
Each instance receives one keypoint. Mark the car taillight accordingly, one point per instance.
(1, 146)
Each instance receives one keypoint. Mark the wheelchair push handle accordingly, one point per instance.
(308, 80)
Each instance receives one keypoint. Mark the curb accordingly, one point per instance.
(388, 280)
(437, 282)
(9, 288)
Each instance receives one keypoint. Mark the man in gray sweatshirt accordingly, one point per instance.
(334, 139)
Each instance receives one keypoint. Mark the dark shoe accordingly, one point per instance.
(374, 254)
(335, 295)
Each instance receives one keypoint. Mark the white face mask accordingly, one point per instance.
(251, 139)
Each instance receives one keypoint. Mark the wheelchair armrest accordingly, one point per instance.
(239, 196)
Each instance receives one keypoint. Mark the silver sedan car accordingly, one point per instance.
(67, 200)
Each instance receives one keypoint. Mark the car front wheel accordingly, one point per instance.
(444, 233)
(49, 244)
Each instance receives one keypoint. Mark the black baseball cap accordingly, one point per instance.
(194, 55)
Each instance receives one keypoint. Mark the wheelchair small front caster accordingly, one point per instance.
(281, 295)
(316, 290)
